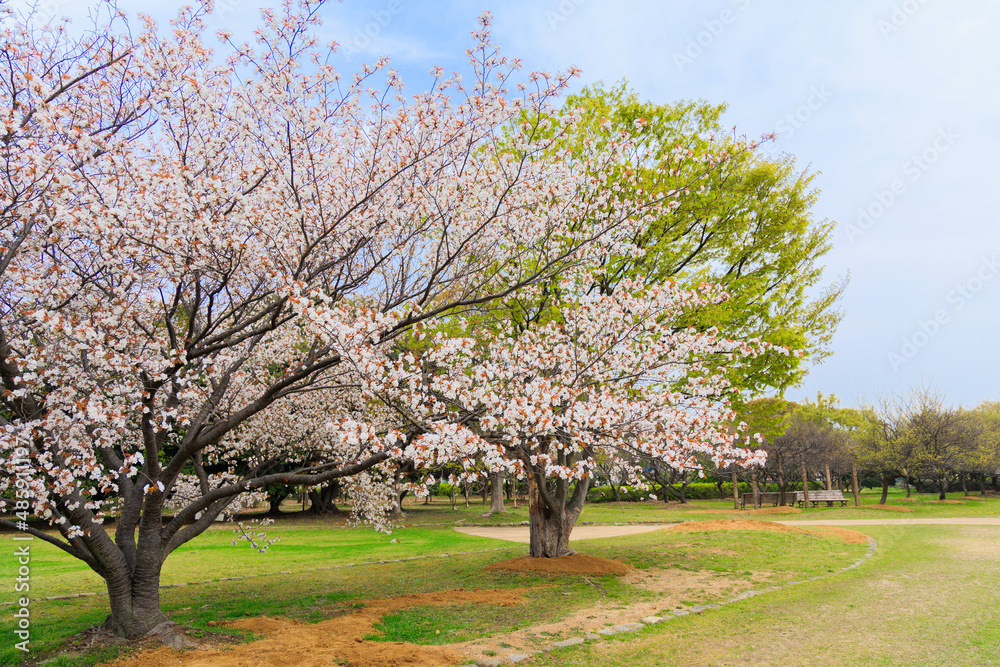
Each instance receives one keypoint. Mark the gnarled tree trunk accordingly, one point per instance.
(135, 603)
(552, 511)
(321, 498)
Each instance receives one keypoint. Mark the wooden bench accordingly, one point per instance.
(817, 497)
(765, 497)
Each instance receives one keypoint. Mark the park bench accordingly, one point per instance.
(817, 497)
(765, 497)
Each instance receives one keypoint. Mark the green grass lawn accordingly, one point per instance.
(927, 597)
(918, 562)
(304, 543)
(314, 594)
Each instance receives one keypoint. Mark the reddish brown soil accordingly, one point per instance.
(575, 564)
(340, 640)
(731, 524)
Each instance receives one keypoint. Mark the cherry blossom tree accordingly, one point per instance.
(193, 244)
(608, 378)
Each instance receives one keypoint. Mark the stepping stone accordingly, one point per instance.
(607, 632)
(573, 641)
(650, 620)
(518, 657)
(628, 627)
(680, 612)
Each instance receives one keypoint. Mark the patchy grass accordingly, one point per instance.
(312, 595)
(923, 599)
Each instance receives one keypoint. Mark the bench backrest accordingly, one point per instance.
(826, 495)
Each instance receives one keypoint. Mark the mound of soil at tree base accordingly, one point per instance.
(574, 564)
(851, 536)
(337, 640)
(787, 509)
(891, 508)
(946, 502)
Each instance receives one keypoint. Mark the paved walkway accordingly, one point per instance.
(520, 533)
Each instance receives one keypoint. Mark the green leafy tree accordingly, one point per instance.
(740, 219)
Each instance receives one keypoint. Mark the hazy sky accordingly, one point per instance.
(895, 102)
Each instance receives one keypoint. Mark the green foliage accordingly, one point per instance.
(743, 221)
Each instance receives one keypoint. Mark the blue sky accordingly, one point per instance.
(895, 102)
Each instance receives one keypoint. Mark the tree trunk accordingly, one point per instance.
(496, 493)
(322, 498)
(135, 604)
(906, 481)
(134, 583)
(805, 484)
(854, 485)
(736, 491)
(982, 484)
(274, 500)
(552, 515)
(616, 489)
(965, 486)
(829, 479)
(782, 482)
(942, 491)
(756, 491)
(886, 479)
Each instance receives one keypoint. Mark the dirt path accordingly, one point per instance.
(520, 533)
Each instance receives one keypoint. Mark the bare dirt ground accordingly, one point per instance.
(338, 640)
